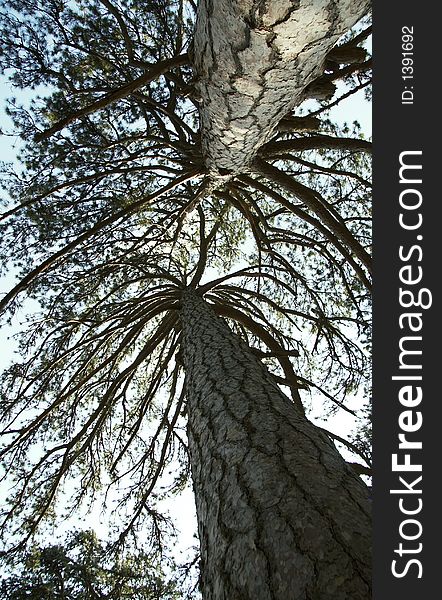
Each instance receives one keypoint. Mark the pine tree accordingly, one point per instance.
(138, 246)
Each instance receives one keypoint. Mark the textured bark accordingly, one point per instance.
(254, 59)
(280, 514)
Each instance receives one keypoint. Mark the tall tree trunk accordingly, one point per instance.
(254, 59)
(280, 515)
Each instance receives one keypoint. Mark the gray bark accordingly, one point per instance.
(254, 59)
(280, 514)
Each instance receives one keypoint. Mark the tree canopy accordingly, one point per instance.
(84, 568)
(116, 211)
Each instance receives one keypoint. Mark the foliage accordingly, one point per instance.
(83, 568)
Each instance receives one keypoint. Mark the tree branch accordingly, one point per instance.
(117, 94)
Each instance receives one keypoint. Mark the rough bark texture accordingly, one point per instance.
(280, 514)
(253, 60)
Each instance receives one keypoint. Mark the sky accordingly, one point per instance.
(355, 108)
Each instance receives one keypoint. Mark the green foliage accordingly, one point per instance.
(84, 568)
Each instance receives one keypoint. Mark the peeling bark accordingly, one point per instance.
(280, 514)
(254, 59)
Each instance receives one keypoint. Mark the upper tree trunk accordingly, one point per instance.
(253, 60)
(280, 515)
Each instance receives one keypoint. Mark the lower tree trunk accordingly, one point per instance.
(280, 515)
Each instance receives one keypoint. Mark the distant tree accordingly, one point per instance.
(84, 568)
(139, 246)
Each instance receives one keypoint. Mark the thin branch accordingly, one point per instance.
(310, 199)
(52, 260)
(116, 94)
